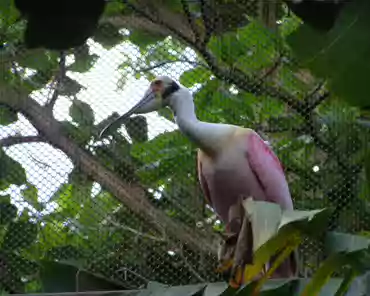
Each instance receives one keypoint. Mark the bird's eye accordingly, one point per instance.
(157, 82)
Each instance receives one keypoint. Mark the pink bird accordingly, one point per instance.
(233, 161)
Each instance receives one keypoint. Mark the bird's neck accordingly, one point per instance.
(206, 136)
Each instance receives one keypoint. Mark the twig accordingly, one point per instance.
(14, 140)
(142, 70)
(208, 24)
(271, 70)
(189, 266)
(124, 227)
(39, 162)
(311, 101)
(190, 18)
(57, 82)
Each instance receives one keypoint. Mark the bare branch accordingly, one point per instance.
(146, 69)
(137, 232)
(14, 140)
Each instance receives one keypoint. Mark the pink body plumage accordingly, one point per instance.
(246, 167)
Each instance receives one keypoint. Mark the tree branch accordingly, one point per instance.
(187, 36)
(57, 82)
(146, 69)
(190, 18)
(207, 22)
(132, 195)
(14, 140)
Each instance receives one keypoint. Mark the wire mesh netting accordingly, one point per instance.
(118, 212)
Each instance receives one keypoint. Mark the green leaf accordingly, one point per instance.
(108, 35)
(194, 76)
(344, 250)
(336, 242)
(278, 287)
(95, 209)
(20, 234)
(69, 87)
(84, 61)
(259, 52)
(274, 229)
(137, 128)
(79, 134)
(165, 144)
(341, 55)
(20, 265)
(11, 171)
(61, 277)
(142, 38)
(31, 196)
(158, 289)
(82, 113)
(114, 8)
(227, 47)
(9, 12)
(7, 115)
(167, 114)
(8, 212)
(37, 59)
(38, 80)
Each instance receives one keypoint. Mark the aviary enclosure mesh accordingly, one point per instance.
(52, 211)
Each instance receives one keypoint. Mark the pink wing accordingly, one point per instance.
(269, 171)
(202, 180)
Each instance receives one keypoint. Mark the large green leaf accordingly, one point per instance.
(84, 61)
(165, 144)
(137, 128)
(343, 250)
(7, 115)
(20, 234)
(274, 229)
(96, 209)
(37, 59)
(21, 266)
(11, 171)
(31, 196)
(108, 35)
(82, 113)
(157, 289)
(69, 87)
(194, 76)
(79, 134)
(272, 288)
(143, 38)
(61, 277)
(8, 212)
(341, 55)
(9, 12)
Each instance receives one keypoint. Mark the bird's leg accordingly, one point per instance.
(237, 249)
(228, 245)
(243, 253)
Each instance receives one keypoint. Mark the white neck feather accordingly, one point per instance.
(207, 136)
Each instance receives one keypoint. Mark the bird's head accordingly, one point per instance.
(163, 91)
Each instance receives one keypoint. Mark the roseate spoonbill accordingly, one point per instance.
(233, 161)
